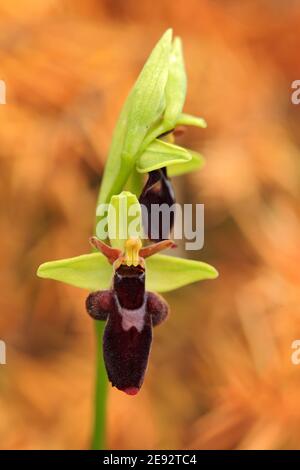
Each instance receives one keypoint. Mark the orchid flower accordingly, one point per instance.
(124, 277)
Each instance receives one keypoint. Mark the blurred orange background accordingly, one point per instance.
(220, 375)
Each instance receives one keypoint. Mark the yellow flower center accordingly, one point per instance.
(132, 249)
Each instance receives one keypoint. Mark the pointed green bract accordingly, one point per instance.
(93, 272)
(160, 154)
(196, 162)
(141, 114)
(153, 107)
(175, 91)
(147, 98)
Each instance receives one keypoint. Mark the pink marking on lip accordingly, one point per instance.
(131, 390)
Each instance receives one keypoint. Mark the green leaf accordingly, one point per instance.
(196, 162)
(142, 112)
(166, 273)
(189, 120)
(175, 91)
(161, 154)
(93, 272)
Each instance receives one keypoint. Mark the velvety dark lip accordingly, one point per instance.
(130, 271)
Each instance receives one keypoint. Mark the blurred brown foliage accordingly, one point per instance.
(220, 375)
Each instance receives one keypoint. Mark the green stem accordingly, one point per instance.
(99, 425)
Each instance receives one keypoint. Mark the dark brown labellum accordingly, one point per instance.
(129, 280)
(130, 312)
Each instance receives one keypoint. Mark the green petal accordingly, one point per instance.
(161, 154)
(175, 91)
(196, 162)
(166, 273)
(189, 120)
(92, 271)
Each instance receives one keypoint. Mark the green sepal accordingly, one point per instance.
(124, 219)
(161, 154)
(189, 120)
(196, 162)
(93, 272)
